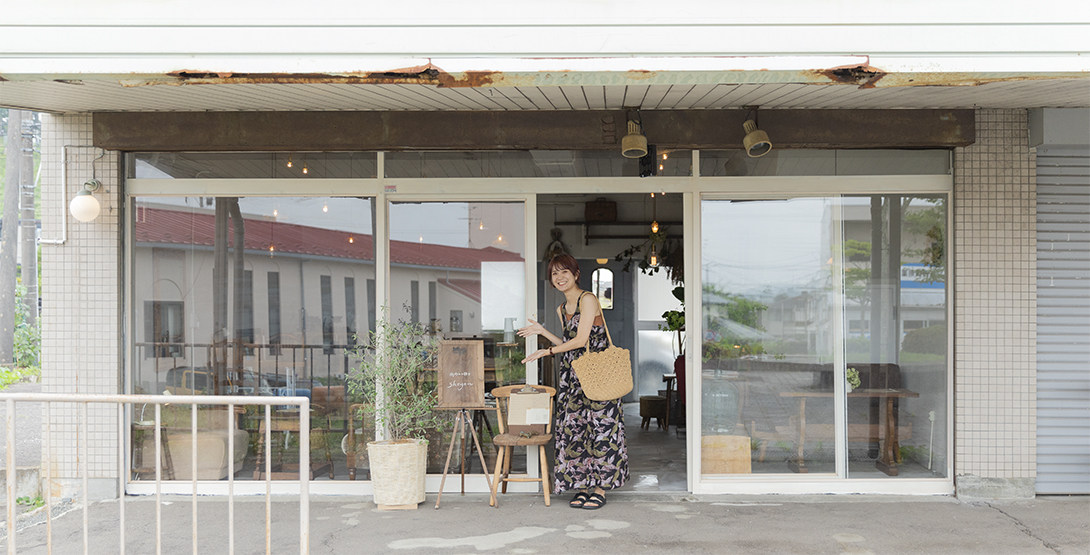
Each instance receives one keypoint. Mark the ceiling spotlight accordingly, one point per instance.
(756, 141)
(634, 144)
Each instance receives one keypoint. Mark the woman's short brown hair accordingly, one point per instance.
(562, 262)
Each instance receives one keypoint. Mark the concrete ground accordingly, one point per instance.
(629, 523)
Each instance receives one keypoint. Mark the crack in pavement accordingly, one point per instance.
(1025, 529)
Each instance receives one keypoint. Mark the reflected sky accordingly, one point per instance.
(765, 246)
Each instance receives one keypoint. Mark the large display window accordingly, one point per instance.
(824, 336)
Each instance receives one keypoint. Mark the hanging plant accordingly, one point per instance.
(668, 251)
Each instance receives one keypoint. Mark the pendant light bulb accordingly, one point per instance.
(654, 227)
(289, 161)
(304, 167)
(325, 208)
(481, 227)
(654, 260)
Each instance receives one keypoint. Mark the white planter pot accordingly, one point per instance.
(397, 471)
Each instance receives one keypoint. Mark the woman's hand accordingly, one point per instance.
(536, 355)
(533, 329)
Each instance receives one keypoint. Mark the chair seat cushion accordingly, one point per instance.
(511, 440)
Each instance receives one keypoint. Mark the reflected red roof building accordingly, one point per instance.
(178, 227)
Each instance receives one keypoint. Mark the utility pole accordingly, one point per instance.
(8, 238)
(27, 221)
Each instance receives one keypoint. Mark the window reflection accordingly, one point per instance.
(779, 278)
(460, 269)
(250, 296)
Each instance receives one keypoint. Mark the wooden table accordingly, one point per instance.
(890, 453)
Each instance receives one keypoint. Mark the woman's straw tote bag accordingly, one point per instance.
(605, 375)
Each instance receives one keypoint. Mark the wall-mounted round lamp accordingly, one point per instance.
(756, 141)
(634, 144)
(84, 206)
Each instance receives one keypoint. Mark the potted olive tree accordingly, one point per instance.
(391, 377)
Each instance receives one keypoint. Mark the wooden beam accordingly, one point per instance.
(524, 130)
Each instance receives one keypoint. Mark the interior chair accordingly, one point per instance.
(506, 442)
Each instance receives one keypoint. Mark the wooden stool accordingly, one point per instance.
(652, 406)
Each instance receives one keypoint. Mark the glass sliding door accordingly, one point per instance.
(895, 308)
(458, 269)
(768, 314)
(824, 336)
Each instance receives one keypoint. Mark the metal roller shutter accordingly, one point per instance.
(1063, 320)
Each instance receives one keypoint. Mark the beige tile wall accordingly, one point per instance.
(80, 298)
(995, 309)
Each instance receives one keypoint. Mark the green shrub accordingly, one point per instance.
(929, 340)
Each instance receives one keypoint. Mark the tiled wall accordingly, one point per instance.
(995, 268)
(81, 302)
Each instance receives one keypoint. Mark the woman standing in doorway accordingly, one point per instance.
(591, 455)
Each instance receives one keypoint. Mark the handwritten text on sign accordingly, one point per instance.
(461, 373)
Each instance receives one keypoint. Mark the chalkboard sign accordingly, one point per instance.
(461, 374)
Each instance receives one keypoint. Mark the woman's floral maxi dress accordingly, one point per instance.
(590, 441)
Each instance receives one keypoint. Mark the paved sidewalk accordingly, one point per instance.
(633, 523)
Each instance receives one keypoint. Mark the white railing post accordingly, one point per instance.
(9, 406)
(124, 459)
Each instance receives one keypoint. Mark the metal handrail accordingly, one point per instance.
(121, 401)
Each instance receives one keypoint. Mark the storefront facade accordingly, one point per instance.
(896, 243)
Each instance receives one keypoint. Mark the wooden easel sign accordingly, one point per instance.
(461, 374)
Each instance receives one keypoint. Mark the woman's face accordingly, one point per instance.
(563, 279)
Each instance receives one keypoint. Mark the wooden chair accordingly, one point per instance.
(505, 442)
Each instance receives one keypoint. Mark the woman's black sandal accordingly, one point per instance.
(578, 501)
(598, 499)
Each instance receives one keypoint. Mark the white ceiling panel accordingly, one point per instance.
(106, 95)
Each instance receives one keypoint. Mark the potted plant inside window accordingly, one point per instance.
(391, 377)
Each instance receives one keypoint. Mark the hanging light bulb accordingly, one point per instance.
(654, 260)
(660, 167)
(289, 160)
(481, 227)
(421, 238)
(304, 167)
(351, 239)
(276, 213)
(325, 208)
(271, 249)
(654, 227)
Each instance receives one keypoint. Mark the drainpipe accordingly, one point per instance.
(64, 197)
